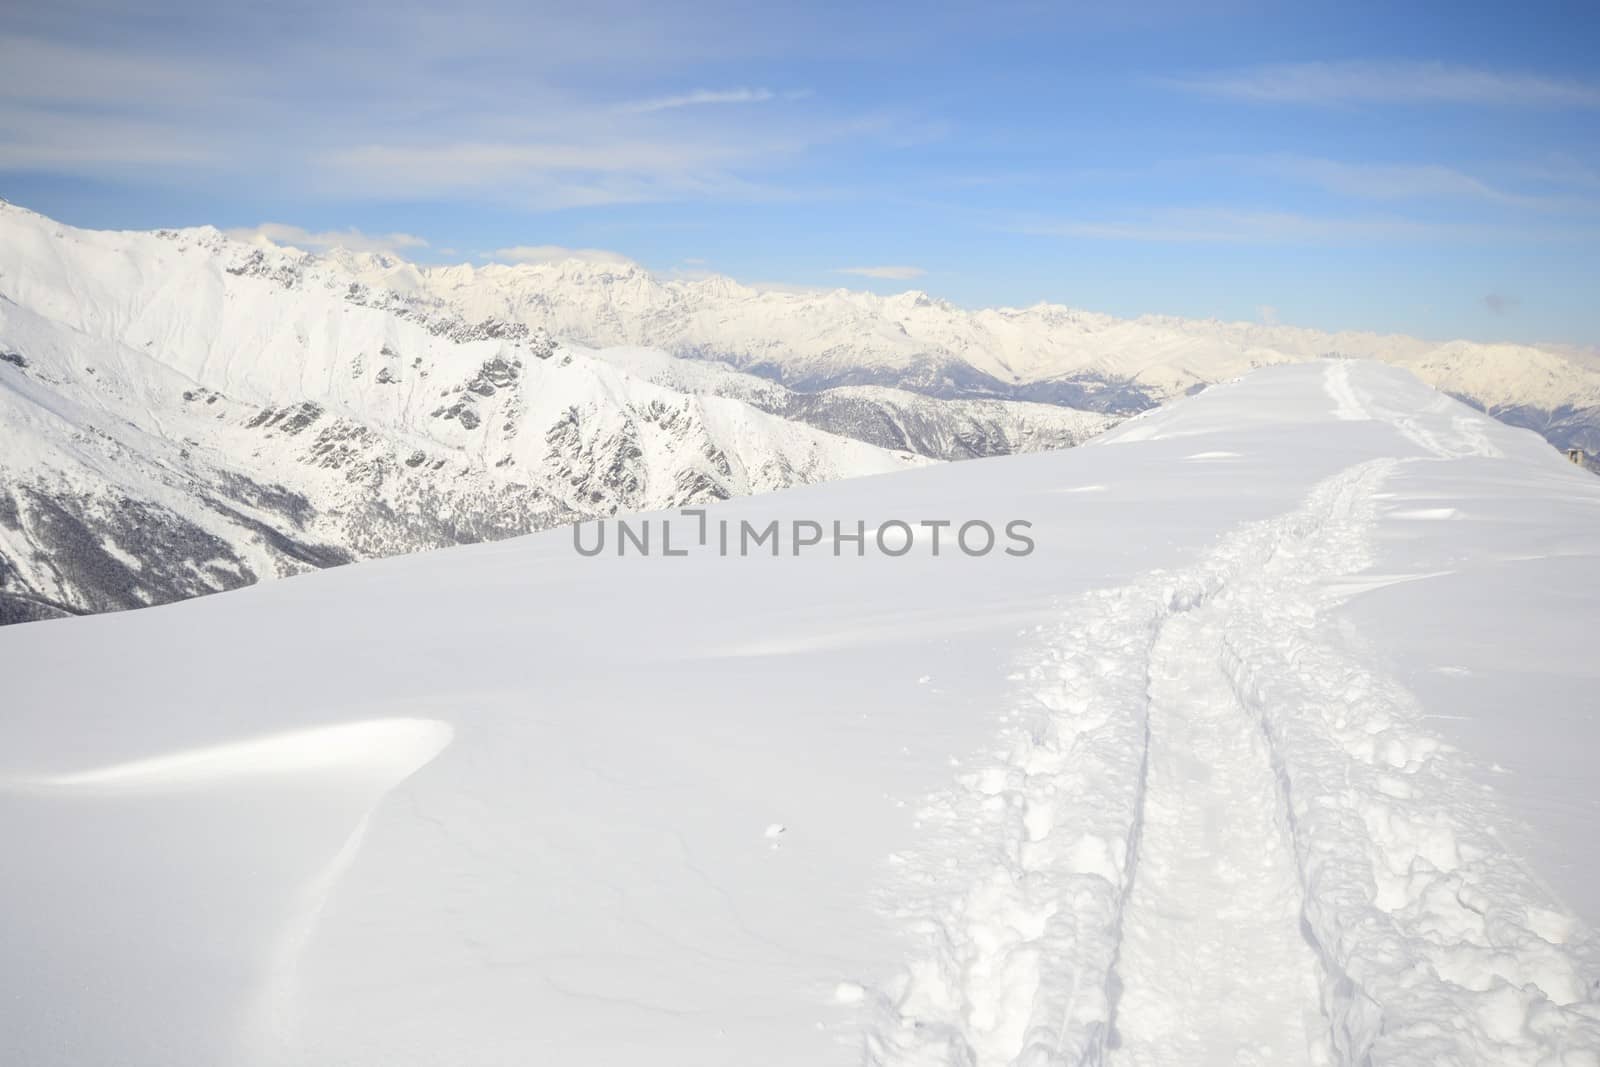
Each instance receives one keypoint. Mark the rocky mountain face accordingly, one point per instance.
(183, 414)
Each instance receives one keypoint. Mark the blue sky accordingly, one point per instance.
(1422, 168)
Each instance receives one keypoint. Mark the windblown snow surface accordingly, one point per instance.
(1277, 750)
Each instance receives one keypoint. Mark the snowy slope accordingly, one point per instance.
(913, 341)
(182, 413)
(1275, 751)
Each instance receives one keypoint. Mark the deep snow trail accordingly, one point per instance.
(1057, 888)
(1213, 967)
(1212, 834)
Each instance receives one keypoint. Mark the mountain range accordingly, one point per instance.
(183, 415)
(185, 412)
(811, 340)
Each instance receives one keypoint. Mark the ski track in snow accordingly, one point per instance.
(1210, 834)
(1212, 964)
(1346, 406)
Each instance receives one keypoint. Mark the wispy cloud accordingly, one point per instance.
(464, 163)
(1394, 82)
(39, 139)
(1385, 181)
(39, 69)
(888, 273)
(470, 120)
(1562, 171)
(699, 97)
(1224, 226)
(352, 240)
(548, 173)
(558, 254)
(567, 163)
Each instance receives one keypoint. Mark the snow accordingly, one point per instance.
(187, 413)
(1242, 764)
(179, 395)
(839, 335)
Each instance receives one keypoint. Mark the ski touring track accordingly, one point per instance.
(1211, 834)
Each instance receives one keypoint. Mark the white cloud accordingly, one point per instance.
(699, 97)
(1405, 82)
(558, 254)
(891, 273)
(1267, 314)
(352, 240)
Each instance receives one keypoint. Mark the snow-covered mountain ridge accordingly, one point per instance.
(183, 413)
(1047, 352)
(1277, 750)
